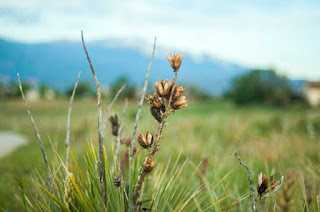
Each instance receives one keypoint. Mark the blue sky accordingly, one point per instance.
(282, 34)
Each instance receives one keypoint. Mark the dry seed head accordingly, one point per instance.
(155, 100)
(265, 184)
(177, 92)
(175, 61)
(147, 141)
(114, 124)
(149, 164)
(163, 88)
(179, 103)
(157, 113)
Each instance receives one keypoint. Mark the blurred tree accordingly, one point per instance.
(130, 90)
(84, 89)
(194, 92)
(261, 86)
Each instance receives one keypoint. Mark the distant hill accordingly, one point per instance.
(58, 64)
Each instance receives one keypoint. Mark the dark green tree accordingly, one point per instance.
(261, 86)
(129, 91)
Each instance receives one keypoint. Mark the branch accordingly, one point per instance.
(68, 122)
(116, 154)
(253, 201)
(99, 103)
(106, 114)
(138, 115)
(37, 133)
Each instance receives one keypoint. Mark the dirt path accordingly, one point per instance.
(9, 141)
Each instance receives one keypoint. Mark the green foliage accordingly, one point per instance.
(129, 91)
(268, 139)
(261, 86)
(84, 89)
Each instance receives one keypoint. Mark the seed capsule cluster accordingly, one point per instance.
(149, 164)
(159, 100)
(114, 124)
(147, 141)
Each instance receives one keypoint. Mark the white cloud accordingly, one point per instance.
(254, 33)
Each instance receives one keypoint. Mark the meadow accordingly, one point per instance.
(268, 139)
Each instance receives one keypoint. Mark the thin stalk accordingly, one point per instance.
(106, 114)
(116, 153)
(37, 133)
(135, 126)
(99, 114)
(253, 200)
(143, 175)
(67, 143)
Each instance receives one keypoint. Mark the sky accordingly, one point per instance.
(257, 33)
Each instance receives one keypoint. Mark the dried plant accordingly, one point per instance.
(67, 143)
(167, 98)
(37, 133)
(99, 115)
(253, 199)
(135, 126)
(119, 134)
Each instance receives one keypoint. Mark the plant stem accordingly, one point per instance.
(137, 119)
(144, 174)
(67, 143)
(99, 114)
(37, 133)
(106, 114)
(119, 133)
(253, 200)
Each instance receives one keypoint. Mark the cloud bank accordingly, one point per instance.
(261, 33)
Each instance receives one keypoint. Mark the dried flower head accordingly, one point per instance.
(147, 141)
(114, 124)
(155, 100)
(286, 196)
(117, 181)
(179, 103)
(149, 164)
(265, 184)
(157, 113)
(178, 90)
(163, 88)
(175, 61)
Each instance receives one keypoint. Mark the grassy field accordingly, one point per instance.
(269, 140)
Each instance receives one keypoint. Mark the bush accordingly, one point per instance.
(261, 86)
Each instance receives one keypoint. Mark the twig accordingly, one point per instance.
(143, 175)
(37, 133)
(138, 115)
(68, 122)
(116, 154)
(99, 103)
(106, 114)
(253, 200)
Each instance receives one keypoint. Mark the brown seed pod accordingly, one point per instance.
(147, 141)
(155, 100)
(149, 164)
(157, 113)
(178, 90)
(175, 60)
(114, 124)
(179, 103)
(163, 88)
(264, 184)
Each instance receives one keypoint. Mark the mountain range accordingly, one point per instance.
(58, 64)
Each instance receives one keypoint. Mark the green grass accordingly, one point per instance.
(269, 140)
